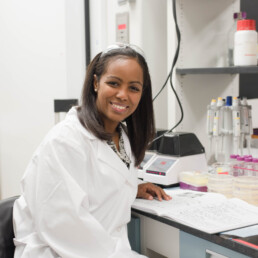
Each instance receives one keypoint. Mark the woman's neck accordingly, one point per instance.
(112, 129)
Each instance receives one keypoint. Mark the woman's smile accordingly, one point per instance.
(119, 107)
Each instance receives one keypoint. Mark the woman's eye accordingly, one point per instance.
(112, 84)
(135, 88)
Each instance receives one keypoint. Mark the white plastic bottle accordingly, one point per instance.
(245, 43)
(231, 34)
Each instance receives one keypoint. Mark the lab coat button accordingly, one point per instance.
(119, 229)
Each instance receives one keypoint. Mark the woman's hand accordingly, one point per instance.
(149, 190)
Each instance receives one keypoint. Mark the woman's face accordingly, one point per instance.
(119, 91)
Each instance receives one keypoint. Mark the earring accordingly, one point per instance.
(96, 89)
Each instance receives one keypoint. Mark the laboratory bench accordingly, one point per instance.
(159, 237)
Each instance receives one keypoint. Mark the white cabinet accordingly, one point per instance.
(195, 247)
(158, 240)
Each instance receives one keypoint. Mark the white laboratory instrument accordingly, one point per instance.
(165, 169)
(176, 152)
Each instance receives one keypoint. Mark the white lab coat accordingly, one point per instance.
(76, 197)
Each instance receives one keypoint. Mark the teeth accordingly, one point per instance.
(119, 107)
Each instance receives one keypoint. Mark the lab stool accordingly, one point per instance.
(63, 106)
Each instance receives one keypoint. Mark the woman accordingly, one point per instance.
(78, 189)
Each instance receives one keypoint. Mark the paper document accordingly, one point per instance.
(208, 212)
(243, 232)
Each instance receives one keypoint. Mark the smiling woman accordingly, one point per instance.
(119, 91)
(78, 189)
(108, 68)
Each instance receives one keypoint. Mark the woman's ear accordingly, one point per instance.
(95, 83)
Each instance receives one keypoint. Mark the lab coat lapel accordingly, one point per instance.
(107, 155)
(132, 171)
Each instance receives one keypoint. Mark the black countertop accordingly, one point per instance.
(214, 238)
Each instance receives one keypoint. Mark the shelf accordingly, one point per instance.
(219, 70)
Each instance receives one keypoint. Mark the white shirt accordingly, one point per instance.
(76, 197)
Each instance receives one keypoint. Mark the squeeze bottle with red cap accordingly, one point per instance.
(245, 43)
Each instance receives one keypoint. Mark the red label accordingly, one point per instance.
(122, 26)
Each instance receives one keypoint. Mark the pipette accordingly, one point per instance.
(236, 124)
(210, 118)
(217, 122)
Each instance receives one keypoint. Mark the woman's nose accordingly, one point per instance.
(122, 94)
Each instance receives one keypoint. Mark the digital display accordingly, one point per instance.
(160, 166)
(146, 158)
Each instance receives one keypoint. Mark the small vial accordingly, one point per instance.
(232, 161)
(255, 167)
(239, 167)
(248, 166)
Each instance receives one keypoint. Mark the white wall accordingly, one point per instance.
(75, 47)
(98, 25)
(172, 105)
(154, 43)
(42, 58)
